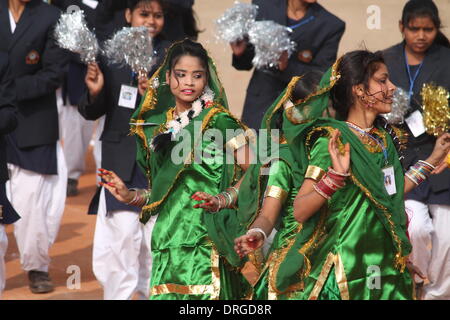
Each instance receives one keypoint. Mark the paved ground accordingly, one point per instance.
(73, 247)
(74, 243)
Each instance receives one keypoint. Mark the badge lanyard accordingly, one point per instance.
(412, 79)
(298, 25)
(133, 77)
(383, 148)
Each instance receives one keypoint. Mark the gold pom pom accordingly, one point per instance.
(448, 160)
(436, 109)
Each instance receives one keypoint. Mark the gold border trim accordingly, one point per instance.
(341, 277)
(320, 282)
(237, 142)
(212, 289)
(276, 192)
(314, 172)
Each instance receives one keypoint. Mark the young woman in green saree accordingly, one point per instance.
(353, 242)
(268, 192)
(190, 147)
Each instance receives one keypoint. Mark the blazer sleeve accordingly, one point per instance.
(8, 119)
(49, 77)
(8, 112)
(324, 58)
(244, 62)
(92, 110)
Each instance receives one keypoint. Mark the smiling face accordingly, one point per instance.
(419, 34)
(147, 14)
(379, 91)
(187, 79)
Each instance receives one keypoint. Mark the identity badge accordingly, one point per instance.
(128, 96)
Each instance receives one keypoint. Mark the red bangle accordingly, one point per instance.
(324, 189)
(339, 178)
(329, 184)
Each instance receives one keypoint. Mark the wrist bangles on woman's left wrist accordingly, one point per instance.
(140, 198)
(419, 172)
(257, 230)
(227, 198)
(330, 183)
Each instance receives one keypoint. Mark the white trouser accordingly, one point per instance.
(97, 144)
(430, 238)
(268, 243)
(121, 255)
(3, 247)
(76, 134)
(39, 200)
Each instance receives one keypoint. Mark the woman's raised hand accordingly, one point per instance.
(341, 162)
(116, 186)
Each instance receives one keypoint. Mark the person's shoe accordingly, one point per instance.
(72, 189)
(40, 282)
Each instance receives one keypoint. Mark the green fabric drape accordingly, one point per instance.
(192, 250)
(366, 176)
(311, 254)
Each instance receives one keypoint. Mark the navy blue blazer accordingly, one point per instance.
(37, 68)
(74, 86)
(436, 69)
(118, 147)
(8, 122)
(319, 37)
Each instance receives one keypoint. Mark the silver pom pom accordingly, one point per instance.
(132, 46)
(400, 106)
(72, 33)
(236, 21)
(270, 40)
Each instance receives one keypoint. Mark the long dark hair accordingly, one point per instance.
(133, 4)
(306, 85)
(185, 21)
(424, 8)
(357, 67)
(303, 88)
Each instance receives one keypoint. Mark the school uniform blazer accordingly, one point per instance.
(8, 115)
(110, 18)
(8, 122)
(319, 37)
(118, 147)
(74, 86)
(37, 66)
(436, 69)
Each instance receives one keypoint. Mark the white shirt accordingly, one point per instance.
(12, 22)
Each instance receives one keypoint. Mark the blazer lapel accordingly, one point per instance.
(397, 71)
(280, 12)
(24, 23)
(430, 65)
